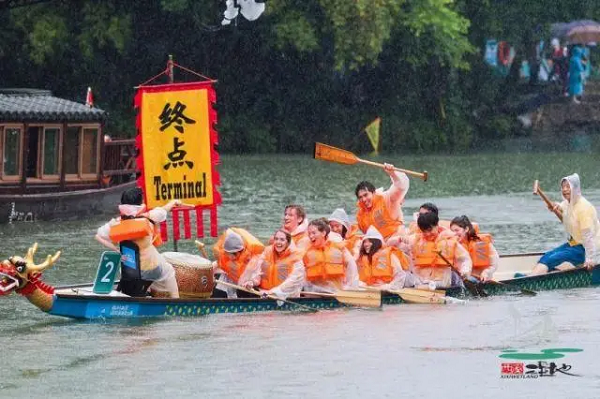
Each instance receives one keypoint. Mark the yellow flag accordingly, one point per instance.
(372, 131)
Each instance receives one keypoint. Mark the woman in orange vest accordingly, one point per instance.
(382, 209)
(484, 256)
(234, 251)
(329, 265)
(379, 266)
(432, 251)
(138, 225)
(279, 270)
(342, 231)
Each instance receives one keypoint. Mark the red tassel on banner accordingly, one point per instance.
(199, 223)
(213, 221)
(176, 233)
(164, 234)
(187, 228)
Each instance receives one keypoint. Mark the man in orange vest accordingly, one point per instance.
(295, 223)
(382, 209)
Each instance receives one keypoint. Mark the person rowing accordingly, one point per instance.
(484, 256)
(329, 265)
(279, 270)
(381, 266)
(432, 251)
(138, 226)
(343, 231)
(235, 250)
(382, 209)
(427, 207)
(580, 220)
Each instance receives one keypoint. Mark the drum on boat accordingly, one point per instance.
(194, 274)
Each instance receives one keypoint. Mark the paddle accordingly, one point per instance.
(471, 286)
(368, 299)
(523, 290)
(537, 190)
(270, 296)
(328, 153)
(415, 295)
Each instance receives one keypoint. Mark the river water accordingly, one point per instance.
(400, 351)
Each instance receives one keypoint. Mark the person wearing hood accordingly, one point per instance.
(343, 231)
(153, 266)
(279, 270)
(235, 251)
(382, 209)
(329, 265)
(576, 73)
(380, 266)
(580, 220)
(296, 223)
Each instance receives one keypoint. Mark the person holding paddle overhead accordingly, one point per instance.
(484, 256)
(342, 231)
(329, 265)
(580, 219)
(381, 266)
(279, 270)
(382, 210)
(431, 251)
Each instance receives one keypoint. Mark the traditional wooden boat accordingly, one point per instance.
(79, 301)
(57, 163)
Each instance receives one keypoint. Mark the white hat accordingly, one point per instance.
(373, 234)
(340, 216)
(554, 42)
(233, 242)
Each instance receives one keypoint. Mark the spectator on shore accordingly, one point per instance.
(576, 71)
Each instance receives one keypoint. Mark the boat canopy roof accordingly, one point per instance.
(33, 105)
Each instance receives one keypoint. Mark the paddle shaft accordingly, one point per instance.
(423, 175)
(270, 296)
(549, 203)
(474, 290)
(523, 290)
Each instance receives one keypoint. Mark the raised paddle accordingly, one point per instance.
(270, 296)
(368, 299)
(328, 153)
(537, 190)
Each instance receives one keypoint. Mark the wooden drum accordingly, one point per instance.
(194, 274)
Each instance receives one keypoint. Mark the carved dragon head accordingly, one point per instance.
(16, 273)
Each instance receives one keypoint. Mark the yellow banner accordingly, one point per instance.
(175, 131)
(372, 131)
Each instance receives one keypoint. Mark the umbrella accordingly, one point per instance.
(577, 32)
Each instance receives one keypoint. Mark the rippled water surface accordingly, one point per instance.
(400, 351)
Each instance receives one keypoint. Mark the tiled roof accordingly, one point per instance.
(30, 105)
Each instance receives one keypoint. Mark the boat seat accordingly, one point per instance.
(131, 275)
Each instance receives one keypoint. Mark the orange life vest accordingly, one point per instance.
(425, 251)
(352, 238)
(134, 229)
(480, 251)
(277, 267)
(235, 267)
(379, 270)
(325, 263)
(378, 216)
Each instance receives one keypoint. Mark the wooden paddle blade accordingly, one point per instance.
(536, 187)
(420, 296)
(328, 153)
(368, 299)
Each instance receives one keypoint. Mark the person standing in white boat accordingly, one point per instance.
(580, 220)
(138, 225)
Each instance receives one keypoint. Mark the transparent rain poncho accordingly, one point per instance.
(581, 220)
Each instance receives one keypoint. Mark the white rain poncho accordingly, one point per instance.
(299, 235)
(293, 283)
(153, 265)
(349, 282)
(581, 220)
(399, 276)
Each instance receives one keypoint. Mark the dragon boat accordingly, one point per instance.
(22, 275)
